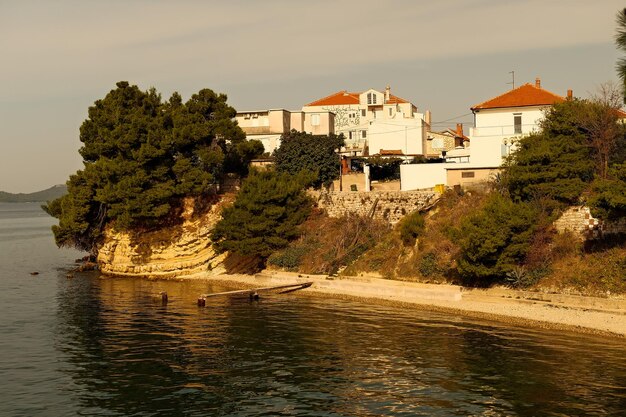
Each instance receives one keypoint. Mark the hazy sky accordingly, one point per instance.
(58, 57)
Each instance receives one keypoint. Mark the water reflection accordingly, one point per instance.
(294, 355)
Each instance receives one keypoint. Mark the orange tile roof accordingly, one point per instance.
(395, 100)
(343, 98)
(526, 95)
(338, 98)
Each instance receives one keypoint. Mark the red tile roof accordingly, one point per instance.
(526, 95)
(341, 97)
(395, 100)
(344, 98)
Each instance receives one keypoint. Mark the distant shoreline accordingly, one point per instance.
(589, 315)
(42, 196)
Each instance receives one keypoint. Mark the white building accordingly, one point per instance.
(268, 125)
(501, 121)
(373, 121)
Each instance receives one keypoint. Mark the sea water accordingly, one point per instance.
(92, 345)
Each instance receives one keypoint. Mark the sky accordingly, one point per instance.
(58, 57)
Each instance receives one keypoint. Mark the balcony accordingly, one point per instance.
(502, 131)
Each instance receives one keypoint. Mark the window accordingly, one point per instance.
(390, 111)
(363, 112)
(315, 119)
(363, 134)
(371, 98)
(467, 174)
(517, 123)
(350, 135)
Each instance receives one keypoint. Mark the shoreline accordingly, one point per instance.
(578, 314)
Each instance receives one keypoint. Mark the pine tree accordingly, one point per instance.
(142, 156)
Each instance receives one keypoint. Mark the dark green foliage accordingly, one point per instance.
(411, 227)
(608, 199)
(300, 151)
(265, 215)
(555, 163)
(384, 169)
(142, 156)
(428, 265)
(620, 40)
(495, 239)
(291, 257)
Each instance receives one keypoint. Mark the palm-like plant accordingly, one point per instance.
(620, 40)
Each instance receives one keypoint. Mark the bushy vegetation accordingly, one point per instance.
(411, 226)
(265, 215)
(494, 240)
(142, 156)
(327, 245)
(301, 151)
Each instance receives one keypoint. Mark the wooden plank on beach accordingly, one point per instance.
(287, 288)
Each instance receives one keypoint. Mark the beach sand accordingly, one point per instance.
(554, 311)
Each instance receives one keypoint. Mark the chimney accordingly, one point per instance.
(387, 94)
(459, 129)
(570, 94)
(538, 82)
(427, 117)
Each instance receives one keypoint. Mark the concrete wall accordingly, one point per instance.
(325, 125)
(468, 176)
(390, 206)
(401, 133)
(349, 179)
(420, 176)
(385, 185)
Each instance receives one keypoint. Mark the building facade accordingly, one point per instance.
(501, 121)
(373, 121)
(268, 125)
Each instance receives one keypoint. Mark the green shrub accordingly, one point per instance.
(428, 266)
(265, 214)
(495, 239)
(289, 258)
(411, 227)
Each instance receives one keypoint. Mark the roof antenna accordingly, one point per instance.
(512, 82)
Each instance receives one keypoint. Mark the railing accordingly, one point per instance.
(509, 130)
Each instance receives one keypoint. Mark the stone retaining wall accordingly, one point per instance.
(390, 206)
(580, 221)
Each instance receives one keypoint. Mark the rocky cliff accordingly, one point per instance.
(182, 249)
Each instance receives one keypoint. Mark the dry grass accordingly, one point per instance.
(432, 258)
(555, 262)
(327, 245)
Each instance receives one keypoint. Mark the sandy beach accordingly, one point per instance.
(605, 316)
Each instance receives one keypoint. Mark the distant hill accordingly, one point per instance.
(39, 196)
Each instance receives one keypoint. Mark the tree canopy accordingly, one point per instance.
(300, 151)
(576, 153)
(620, 41)
(142, 155)
(265, 214)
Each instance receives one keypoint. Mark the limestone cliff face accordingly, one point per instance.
(172, 251)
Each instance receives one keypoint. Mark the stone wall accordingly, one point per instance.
(580, 221)
(390, 206)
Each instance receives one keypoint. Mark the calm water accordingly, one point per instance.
(98, 346)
